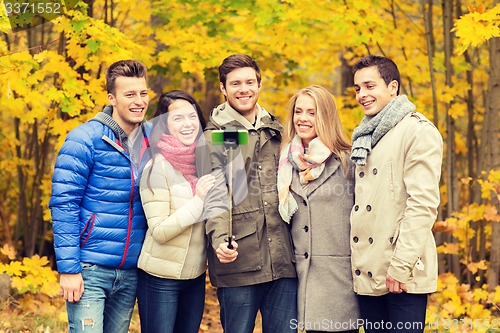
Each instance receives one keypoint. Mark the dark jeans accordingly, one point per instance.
(393, 313)
(276, 300)
(170, 306)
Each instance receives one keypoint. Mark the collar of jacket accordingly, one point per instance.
(105, 117)
(225, 116)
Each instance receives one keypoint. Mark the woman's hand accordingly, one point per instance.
(205, 183)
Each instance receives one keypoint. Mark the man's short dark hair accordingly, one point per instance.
(386, 67)
(236, 61)
(127, 68)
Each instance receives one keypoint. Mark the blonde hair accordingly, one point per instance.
(328, 125)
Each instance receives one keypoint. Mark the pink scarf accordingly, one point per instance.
(181, 157)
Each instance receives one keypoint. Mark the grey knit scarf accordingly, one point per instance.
(372, 128)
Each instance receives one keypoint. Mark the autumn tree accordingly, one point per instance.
(52, 80)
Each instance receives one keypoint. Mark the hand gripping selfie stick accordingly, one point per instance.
(231, 138)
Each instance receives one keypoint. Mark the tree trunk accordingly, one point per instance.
(430, 42)
(492, 127)
(451, 167)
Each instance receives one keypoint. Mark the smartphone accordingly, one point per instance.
(230, 136)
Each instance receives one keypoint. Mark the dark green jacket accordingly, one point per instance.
(264, 242)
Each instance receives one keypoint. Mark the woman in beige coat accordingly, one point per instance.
(315, 187)
(171, 289)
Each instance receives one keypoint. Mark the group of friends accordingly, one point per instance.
(327, 234)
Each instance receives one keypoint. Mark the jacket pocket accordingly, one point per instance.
(395, 235)
(249, 256)
(396, 189)
(87, 230)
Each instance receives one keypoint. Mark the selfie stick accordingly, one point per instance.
(230, 190)
(231, 138)
(231, 142)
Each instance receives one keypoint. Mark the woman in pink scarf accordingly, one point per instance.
(315, 190)
(171, 289)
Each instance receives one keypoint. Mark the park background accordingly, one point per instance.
(52, 79)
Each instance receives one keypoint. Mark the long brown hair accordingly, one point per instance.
(328, 125)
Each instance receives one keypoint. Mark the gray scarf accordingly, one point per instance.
(372, 128)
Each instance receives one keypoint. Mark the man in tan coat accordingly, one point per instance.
(398, 155)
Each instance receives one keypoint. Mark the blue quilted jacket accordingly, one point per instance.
(97, 215)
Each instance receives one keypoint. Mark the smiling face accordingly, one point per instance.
(183, 123)
(130, 102)
(304, 118)
(242, 91)
(372, 93)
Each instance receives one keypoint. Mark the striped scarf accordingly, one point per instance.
(309, 165)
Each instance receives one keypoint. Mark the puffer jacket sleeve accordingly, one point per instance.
(73, 167)
(164, 222)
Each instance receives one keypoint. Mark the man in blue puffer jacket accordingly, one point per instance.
(97, 216)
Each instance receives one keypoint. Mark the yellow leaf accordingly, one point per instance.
(9, 251)
(448, 248)
(491, 214)
(475, 266)
(41, 56)
(15, 268)
(457, 110)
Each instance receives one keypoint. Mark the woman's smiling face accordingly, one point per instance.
(183, 123)
(304, 118)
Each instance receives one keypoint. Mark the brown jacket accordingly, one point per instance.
(264, 245)
(396, 200)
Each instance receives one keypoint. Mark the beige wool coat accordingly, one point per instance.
(175, 245)
(396, 200)
(320, 234)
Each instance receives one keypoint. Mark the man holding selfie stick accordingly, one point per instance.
(257, 273)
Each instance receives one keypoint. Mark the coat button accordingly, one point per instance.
(357, 272)
(355, 239)
(370, 274)
(265, 203)
(269, 240)
(375, 171)
(370, 240)
(361, 174)
(260, 167)
(306, 228)
(391, 240)
(306, 255)
(368, 208)
(356, 208)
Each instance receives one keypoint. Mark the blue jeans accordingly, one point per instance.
(168, 306)
(393, 313)
(107, 301)
(276, 300)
